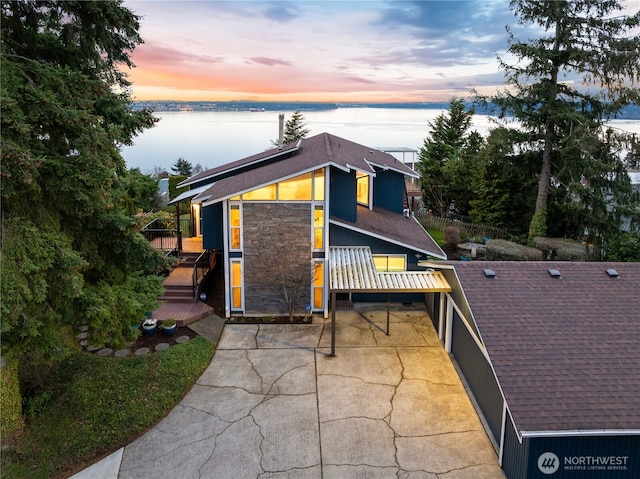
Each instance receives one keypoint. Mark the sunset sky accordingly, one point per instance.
(340, 51)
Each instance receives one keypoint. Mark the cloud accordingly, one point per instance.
(270, 61)
(155, 54)
(450, 32)
(281, 12)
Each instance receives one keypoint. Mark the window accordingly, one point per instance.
(295, 189)
(362, 188)
(236, 284)
(299, 188)
(266, 193)
(390, 263)
(318, 284)
(318, 185)
(235, 224)
(318, 227)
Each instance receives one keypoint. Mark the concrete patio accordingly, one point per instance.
(274, 404)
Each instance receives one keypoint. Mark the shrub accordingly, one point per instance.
(559, 249)
(538, 226)
(452, 235)
(503, 250)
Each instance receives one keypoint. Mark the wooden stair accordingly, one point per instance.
(178, 299)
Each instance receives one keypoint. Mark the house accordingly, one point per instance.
(550, 352)
(279, 212)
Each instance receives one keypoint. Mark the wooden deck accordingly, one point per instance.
(183, 313)
(184, 310)
(189, 245)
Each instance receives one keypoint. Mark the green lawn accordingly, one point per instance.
(437, 235)
(103, 404)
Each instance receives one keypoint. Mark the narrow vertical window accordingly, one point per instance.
(234, 226)
(318, 185)
(318, 227)
(236, 284)
(362, 185)
(318, 284)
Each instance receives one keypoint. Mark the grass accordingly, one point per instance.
(104, 404)
(437, 235)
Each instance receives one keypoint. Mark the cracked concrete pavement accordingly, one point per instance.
(274, 404)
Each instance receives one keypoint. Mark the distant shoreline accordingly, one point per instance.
(630, 112)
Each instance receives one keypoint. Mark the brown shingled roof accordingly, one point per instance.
(393, 227)
(314, 152)
(565, 350)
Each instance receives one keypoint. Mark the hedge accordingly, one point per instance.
(559, 249)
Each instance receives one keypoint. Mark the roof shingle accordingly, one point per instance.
(566, 350)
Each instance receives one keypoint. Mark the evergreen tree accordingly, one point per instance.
(581, 39)
(70, 255)
(446, 161)
(504, 183)
(182, 167)
(294, 129)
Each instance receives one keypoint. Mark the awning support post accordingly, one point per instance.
(333, 325)
(388, 308)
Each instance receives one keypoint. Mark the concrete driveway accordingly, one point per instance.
(273, 404)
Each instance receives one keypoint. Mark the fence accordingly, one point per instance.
(164, 234)
(471, 230)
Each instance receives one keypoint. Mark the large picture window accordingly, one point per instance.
(299, 188)
(295, 189)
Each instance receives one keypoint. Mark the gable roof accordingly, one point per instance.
(565, 350)
(394, 228)
(280, 163)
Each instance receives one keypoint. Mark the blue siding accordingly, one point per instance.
(339, 236)
(212, 227)
(611, 457)
(343, 195)
(478, 374)
(388, 191)
(514, 454)
(433, 308)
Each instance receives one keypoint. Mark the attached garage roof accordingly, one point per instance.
(352, 270)
(565, 348)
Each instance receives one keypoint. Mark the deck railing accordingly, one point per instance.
(164, 233)
(200, 268)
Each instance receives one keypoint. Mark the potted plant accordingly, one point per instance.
(149, 326)
(169, 326)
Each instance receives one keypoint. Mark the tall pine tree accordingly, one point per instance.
(446, 161)
(580, 72)
(70, 253)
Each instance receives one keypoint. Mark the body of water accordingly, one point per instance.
(214, 138)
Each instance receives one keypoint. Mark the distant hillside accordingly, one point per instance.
(630, 112)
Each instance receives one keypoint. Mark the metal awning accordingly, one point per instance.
(189, 194)
(352, 270)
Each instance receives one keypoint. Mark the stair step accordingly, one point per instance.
(176, 299)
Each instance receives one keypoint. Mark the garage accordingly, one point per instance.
(549, 353)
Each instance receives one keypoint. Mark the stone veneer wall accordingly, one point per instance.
(272, 232)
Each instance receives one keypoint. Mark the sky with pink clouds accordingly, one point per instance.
(338, 51)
